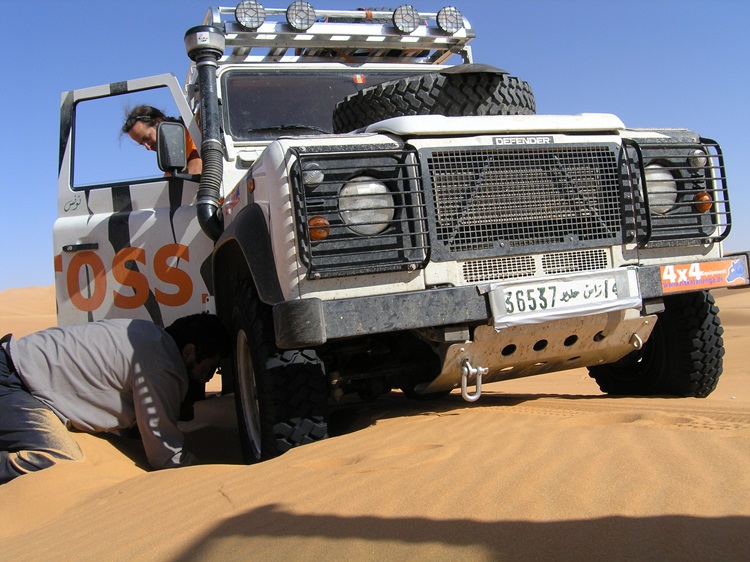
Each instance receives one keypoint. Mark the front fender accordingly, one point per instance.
(244, 250)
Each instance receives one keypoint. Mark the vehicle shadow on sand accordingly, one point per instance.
(273, 530)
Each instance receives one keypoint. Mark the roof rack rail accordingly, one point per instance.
(342, 35)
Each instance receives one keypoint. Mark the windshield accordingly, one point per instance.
(264, 106)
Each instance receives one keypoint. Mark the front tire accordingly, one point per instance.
(280, 395)
(683, 356)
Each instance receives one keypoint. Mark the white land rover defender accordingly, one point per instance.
(370, 217)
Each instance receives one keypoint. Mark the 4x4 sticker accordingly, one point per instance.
(703, 275)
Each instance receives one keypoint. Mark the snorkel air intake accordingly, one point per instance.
(205, 45)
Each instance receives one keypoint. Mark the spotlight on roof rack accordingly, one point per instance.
(300, 15)
(450, 20)
(250, 14)
(406, 18)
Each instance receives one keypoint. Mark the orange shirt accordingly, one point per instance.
(190, 148)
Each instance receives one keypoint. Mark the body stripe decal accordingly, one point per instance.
(118, 88)
(66, 123)
(119, 236)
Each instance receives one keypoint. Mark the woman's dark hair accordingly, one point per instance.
(204, 331)
(145, 113)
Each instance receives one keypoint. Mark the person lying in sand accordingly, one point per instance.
(102, 376)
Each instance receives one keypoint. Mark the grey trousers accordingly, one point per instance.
(32, 437)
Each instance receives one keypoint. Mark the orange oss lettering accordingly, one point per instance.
(125, 272)
(130, 277)
(96, 268)
(172, 275)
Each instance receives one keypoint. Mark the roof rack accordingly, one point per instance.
(340, 35)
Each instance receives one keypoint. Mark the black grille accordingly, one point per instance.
(354, 249)
(519, 200)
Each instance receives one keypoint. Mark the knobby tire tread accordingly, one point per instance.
(683, 357)
(451, 95)
(291, 385)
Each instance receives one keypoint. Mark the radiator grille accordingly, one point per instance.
(516, 200)
(496, 269)
(517, 267)
(568, 262)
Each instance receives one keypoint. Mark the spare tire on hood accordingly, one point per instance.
(462, 90)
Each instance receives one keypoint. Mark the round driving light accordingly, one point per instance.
(450, 20)
(697, 159)
(250, 14)
(661, 187)
(300, 15)
(702, 202)
(406, 18)
(366, 205)
(312, 175)
(319, 227)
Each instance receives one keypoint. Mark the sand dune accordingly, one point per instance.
(26, 310)
(539, 468)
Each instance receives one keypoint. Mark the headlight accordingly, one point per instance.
(662, 189)
(366, 205)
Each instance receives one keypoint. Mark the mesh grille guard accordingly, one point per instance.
(401, 246)
(511, 201)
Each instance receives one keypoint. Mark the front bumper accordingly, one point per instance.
(311, 322)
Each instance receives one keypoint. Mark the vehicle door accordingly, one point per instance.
(127, 242)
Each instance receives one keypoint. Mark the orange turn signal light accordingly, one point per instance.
(319, 227)
(702, 202)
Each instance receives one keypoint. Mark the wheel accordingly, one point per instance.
(280, 395)
(683, 356)
(460, 91)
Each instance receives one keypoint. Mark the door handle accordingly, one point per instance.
(79, 247)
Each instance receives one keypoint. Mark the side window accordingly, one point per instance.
(103, 155)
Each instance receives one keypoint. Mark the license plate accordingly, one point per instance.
(561, 294)
(515, 304)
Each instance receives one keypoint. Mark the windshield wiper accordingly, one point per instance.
(290, 127)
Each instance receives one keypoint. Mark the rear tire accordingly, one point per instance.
(280, 395)
(683, 356)
(463, 92)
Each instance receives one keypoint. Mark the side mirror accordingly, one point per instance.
(170, 147)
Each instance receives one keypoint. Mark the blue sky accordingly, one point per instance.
(657, 63)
